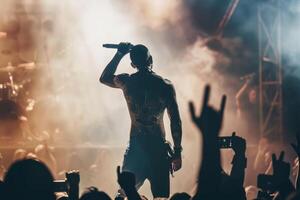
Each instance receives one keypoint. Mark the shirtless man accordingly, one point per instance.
(148, 95)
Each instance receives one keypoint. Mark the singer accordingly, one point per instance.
(147, 95)
(248, 108)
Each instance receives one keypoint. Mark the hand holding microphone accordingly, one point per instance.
(123, 47)
(248, 77)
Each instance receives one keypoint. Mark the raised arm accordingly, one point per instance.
(209, 122)
(281, 174)
(126, 181)
(239, 95)
(108, 76)
(176, 129)
(239, 162)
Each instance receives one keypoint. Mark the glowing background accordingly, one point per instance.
(93, 113)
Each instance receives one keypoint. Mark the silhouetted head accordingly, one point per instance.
(252, 96)
(180, 196)
(29, 179)
(92, 193)
(141, 57)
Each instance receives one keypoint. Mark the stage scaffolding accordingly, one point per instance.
(270, 68)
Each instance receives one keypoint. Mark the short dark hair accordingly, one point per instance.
(140, 55)
(29, 179)
(92, 193)
(180, 196)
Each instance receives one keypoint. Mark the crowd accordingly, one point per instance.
(30, 177)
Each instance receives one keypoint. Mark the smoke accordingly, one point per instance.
(65, 38)
(290, 33)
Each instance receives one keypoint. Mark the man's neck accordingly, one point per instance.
(145, 70)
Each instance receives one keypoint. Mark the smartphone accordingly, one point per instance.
(60, 186)
(266, 182)
(225, 142)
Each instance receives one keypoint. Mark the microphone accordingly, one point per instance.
(110, 46)
(248, 76)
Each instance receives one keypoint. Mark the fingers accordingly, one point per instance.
(118, 171)
(130, 45)
(206, 97)
(233, 134)
(192, 111)
(281, 156)
(223, 103)
(124, 43)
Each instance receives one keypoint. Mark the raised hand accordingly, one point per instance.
(281, 169)
(126, 180)
(281, 173)
(238, 144)
(73, 177)
(210, 120)
(210, 123)
(297, 147)
(124, 47)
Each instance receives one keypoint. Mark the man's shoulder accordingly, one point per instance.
(164, 81)
(121, 79)
(123, 75)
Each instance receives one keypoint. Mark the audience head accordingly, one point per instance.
(29, 179)
(180, 196)
(140, 57)
(92, 193)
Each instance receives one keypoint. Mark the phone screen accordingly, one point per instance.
(60, 186)
(225, 142)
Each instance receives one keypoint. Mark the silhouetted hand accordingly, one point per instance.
(126, 180)
(73, 177)
(177, 164)
(297, 147)
(281, 169)
(238, 144)
(210, 120)
(124, 47)
(281, 173)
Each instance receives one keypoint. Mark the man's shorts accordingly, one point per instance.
(146, 157)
